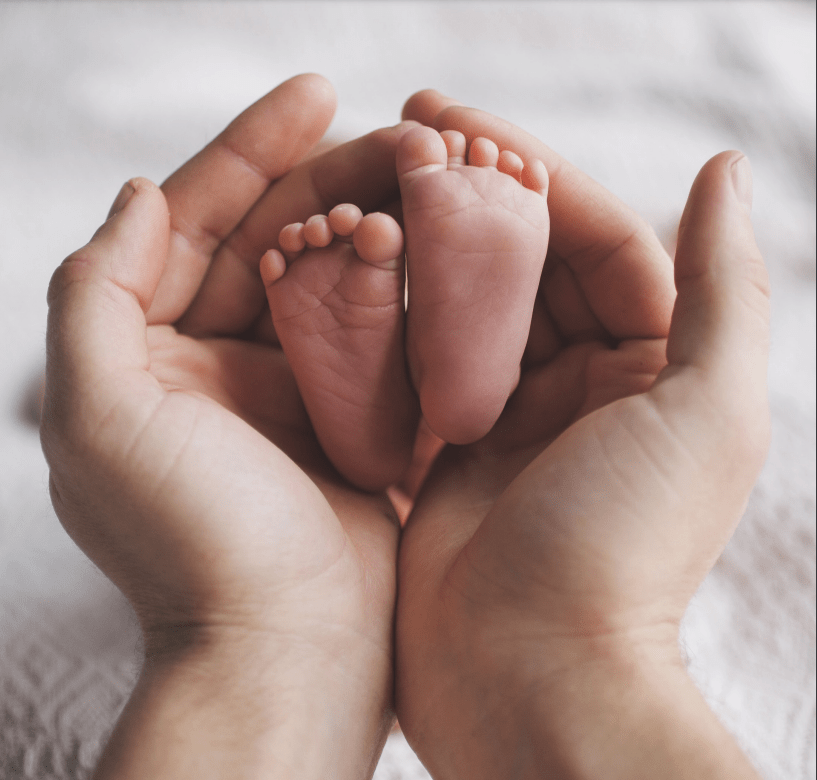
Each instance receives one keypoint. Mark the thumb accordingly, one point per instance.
(715, 383)
(721, 318)
(97, 301)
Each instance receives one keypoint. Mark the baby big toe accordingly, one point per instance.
(421, 150)
(378, 240)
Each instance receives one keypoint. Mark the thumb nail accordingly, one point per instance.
(742, 181)
(121, 199)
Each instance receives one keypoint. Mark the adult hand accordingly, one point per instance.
(183, 463)
(544, 571)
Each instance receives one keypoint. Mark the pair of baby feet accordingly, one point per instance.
(360, 341)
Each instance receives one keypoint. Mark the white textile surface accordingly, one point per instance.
(639, 95)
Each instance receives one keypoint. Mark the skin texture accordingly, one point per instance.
(339, 313)
(544, 570)
(183, 463)
(476, 237)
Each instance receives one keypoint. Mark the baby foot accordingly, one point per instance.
(476, 239)
(338, 307)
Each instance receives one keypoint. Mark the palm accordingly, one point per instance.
(538, 513)
(552, 402)
(504, 521)
(265, 497)
(228, 443)
(182, 459)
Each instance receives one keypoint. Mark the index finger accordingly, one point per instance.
(621, 267)
(210, 194)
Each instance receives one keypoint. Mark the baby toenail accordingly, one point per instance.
(291, 238)
(317, 231)
(535, 177)
(343, 218)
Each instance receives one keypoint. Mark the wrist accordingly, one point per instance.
(629, 710)
(234, 703)
(592, 709)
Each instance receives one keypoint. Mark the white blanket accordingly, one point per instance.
(639, 95)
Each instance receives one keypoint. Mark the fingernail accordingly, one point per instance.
(742, 181)
(121, 199)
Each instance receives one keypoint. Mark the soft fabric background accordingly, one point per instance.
(639, 95)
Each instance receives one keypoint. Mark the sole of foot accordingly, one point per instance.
(336, 292)
(477, 227)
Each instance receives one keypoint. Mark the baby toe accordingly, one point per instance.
(317, 231)
(291, 238)
(273, 267)
(421, 150)
(483, 153)
(378, 239)
(535, 177)
(510, 163)
(344, 218)
(455, 144)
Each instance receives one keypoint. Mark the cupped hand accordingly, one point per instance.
(580, 527)
(182, 460)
